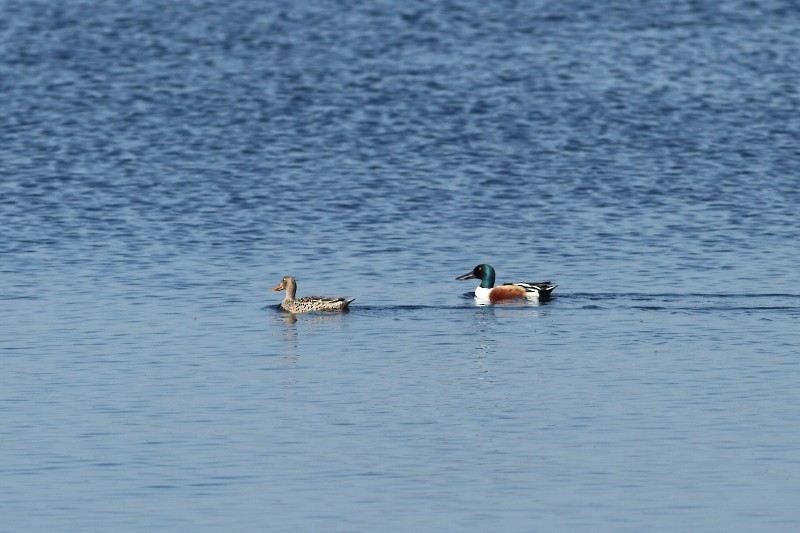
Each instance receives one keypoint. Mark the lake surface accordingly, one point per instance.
(163, 164)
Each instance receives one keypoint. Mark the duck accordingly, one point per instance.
(486, 291)
(308, 303)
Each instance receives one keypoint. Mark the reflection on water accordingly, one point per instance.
(311, 319)
(299, 330)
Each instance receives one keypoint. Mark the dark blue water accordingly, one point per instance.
(163, 164)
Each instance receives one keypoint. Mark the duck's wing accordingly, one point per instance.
(324, 302)
(325, 299)
(541, 288)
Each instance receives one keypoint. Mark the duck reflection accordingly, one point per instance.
(293, 326)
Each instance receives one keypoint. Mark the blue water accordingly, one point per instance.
(163, 164)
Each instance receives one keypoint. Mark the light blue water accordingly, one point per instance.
(163, 164)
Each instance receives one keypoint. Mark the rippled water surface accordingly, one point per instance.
(163, 164)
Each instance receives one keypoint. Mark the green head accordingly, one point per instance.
(483, 272)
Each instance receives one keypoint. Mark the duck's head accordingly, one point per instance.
(287, 281)
(483, 272)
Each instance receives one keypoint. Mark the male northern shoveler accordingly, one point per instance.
(308, 303)
(537, 290)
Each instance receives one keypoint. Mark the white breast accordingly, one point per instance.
(482, 293)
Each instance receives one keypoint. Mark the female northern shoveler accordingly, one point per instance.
(308, 303)
(537, 290)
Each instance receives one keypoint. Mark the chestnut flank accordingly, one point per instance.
(506, 292)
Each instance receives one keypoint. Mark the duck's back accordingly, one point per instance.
(316, 303)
